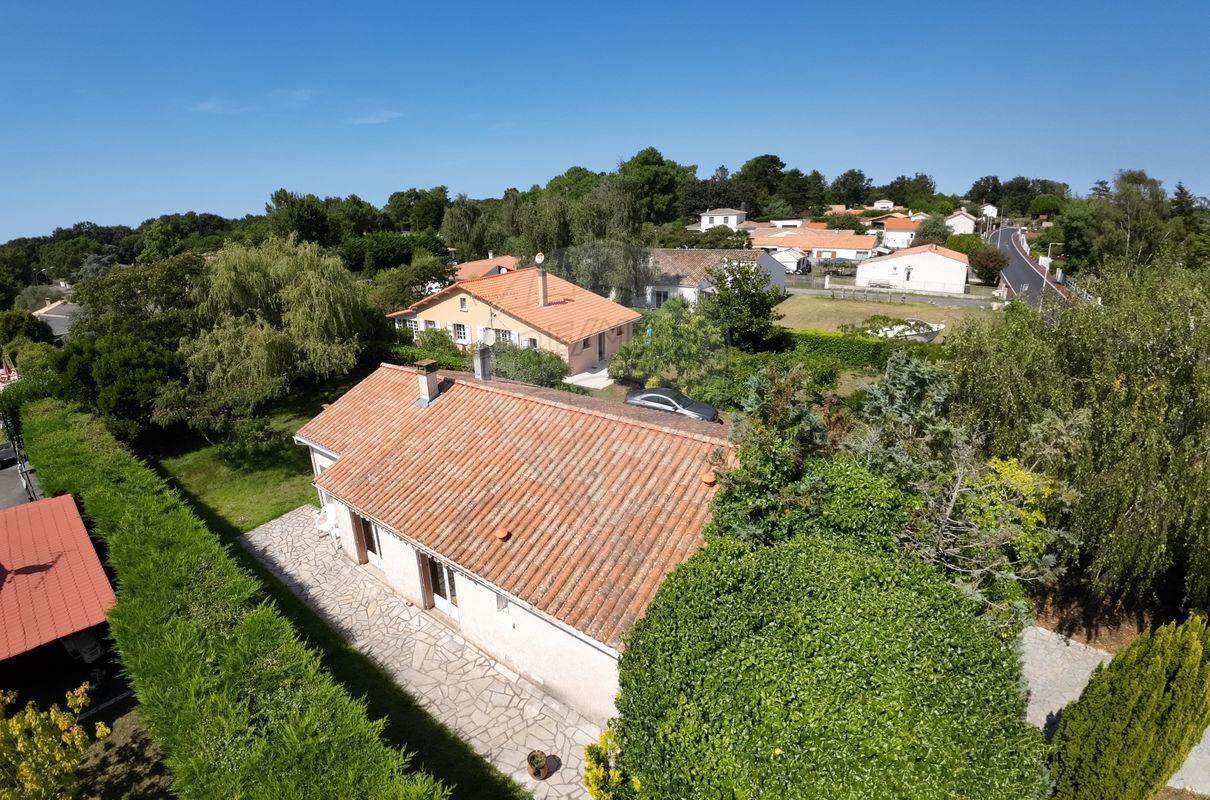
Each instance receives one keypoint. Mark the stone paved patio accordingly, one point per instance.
(501, 716)
(1056, 670)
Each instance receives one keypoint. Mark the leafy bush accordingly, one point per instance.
(603, 778)
(987, 263)
(849, 351)
(819, 669)
(966, 243)
(239, 705)
(1137, 719)
(529, 365)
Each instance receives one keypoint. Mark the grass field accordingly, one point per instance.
(815, 312)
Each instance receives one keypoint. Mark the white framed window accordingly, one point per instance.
(462, 334)
(502, 335)
(709, 220)
(502, 605)
(462, 304)
(531, 343)
(412, 325)
(661, 297)
(431, 325)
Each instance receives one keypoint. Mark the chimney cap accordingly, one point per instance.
(502, 533)
(708, 476)
(425, 365)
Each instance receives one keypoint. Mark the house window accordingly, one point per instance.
(617, 331)
(431, 324)
(532, 344)
(709, 220)
(462, 304)
(461, 333)
(502, 604)
(502, 335)
(587, 343)
(412, 325)
(661, 297)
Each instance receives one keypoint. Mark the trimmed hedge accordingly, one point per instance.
(240, 706)
(1137, 719)
(817, 669)
(851, 352)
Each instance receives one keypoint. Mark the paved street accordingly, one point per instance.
(1057, 669)
(501, 716)
(1022, 277)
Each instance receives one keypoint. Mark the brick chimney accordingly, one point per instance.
(430, 387)
(541, 286)
(482, 360)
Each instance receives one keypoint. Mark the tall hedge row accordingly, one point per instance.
(817, 669)
(1137, 719)
(851, 352)
(240, 707)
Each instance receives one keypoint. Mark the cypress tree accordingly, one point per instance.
(1137, 719)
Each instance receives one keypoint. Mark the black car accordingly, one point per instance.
(673, 401)
(8, 456)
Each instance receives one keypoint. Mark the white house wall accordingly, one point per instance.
(930, 272)
(582, 674)
(961, 224)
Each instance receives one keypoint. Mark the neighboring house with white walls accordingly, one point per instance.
(529, 308)
(681, 272)
(883, 205)
(961, 221)
(825, 245)
(899, 233)
(920, 216)
(989, 211)
(722, 217)
(537, 523)
(927, 268)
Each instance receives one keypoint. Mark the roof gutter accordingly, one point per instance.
(316, 446)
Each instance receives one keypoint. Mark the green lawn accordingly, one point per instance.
(816, 312)
(233, 498)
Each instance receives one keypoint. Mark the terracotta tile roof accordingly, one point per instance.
(601, 499)
(923, 248)
(814, 239)
(815, 226)
(898, 224)
(687, 267)
(477, 269)
(571, 313)
(51, 581)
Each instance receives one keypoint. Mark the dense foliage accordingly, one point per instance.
(529, 365)
(1137, 719)
(820, 669)
(1114, 397)
(40, 750)
(239, 705)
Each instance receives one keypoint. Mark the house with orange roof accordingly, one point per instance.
(898, 233)
(527, 308)
(682, 272)
(816, 245)
(492, 265)
(926, 268)
(537, 523)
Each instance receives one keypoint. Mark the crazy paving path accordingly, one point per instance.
(503, 717)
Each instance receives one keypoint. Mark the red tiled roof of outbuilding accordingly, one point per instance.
(51, 581)
(601, 500)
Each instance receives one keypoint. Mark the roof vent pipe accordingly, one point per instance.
(430, 387)
(482, 360)
(538, 259)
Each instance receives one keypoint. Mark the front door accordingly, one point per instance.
(600, 347)
(444, 587)
(369, 535)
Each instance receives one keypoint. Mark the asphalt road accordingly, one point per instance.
(1026, 282)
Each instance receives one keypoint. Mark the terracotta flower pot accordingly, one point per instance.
(537, 765)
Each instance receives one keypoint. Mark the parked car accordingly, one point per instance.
(672, 401)
(8, 456)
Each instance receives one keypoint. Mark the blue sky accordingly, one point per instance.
(115, 112)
